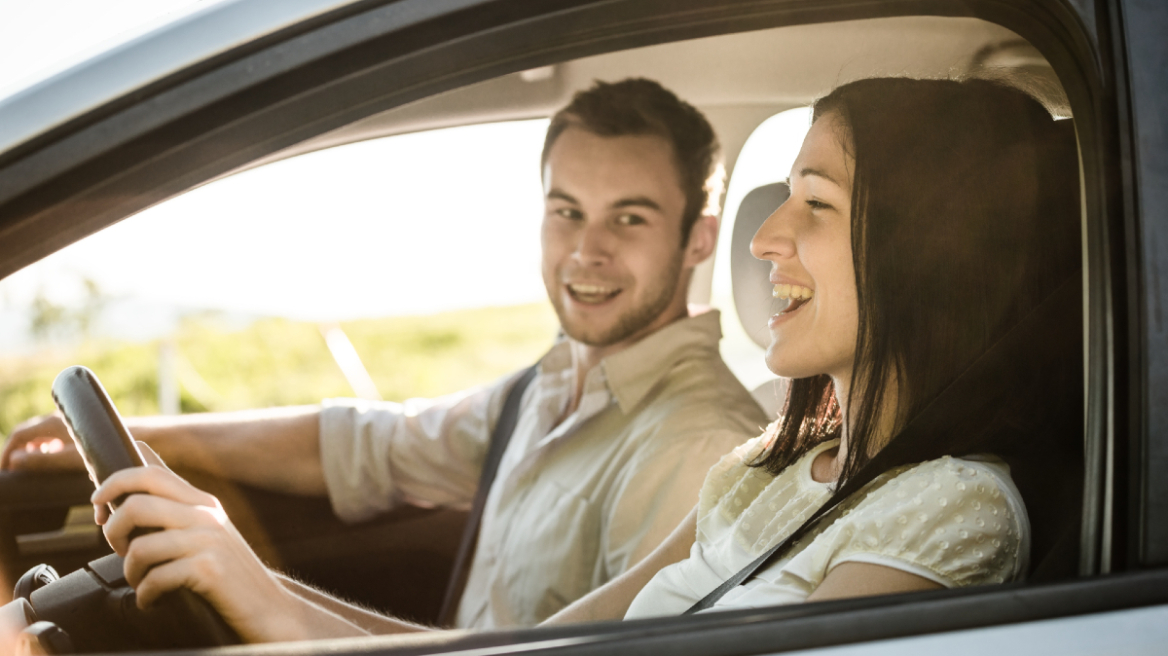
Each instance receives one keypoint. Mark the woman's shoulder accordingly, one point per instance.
(985, 479)
(961, 518)
(956, 488)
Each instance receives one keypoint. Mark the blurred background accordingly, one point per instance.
(260, 289)
(398, 267)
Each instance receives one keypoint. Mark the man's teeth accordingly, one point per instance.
(794, 292)
(590, 289)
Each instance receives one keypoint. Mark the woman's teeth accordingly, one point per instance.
(793, 292)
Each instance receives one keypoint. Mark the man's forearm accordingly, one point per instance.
(276, 449)
(368, 620)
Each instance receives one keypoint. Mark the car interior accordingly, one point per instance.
(738, 80)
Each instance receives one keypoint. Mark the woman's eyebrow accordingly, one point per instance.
(806, 171)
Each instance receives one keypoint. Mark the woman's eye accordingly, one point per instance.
(818, 205)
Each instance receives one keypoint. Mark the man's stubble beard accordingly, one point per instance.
(637, 318)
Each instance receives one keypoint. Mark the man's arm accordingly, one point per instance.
(368, 620)
(239, 446)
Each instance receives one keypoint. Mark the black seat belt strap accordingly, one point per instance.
(500, 437)
(856, 483)
(765, 559)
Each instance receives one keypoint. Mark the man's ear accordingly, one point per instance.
(703, 237)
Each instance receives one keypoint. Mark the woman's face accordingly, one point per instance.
(808, 243)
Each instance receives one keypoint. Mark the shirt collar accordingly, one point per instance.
(633, 372)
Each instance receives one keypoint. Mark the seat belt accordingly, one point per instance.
(766, 558)
(500, 437)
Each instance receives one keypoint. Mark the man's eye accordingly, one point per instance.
(629, 219)
(569, 213)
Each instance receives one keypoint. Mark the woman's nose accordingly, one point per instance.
(774, 239)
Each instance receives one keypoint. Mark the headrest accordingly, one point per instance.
(750, 278)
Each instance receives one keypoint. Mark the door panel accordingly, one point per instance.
(398, 562)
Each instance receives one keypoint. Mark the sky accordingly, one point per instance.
(38, 37)
(355, 231)
(361, 230)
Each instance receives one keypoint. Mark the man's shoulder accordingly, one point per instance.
(705, 379)
(700, 394)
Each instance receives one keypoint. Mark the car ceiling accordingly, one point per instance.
(738, 80)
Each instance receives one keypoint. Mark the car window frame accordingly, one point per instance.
(305, 81)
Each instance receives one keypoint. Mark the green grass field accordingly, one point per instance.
(278, 362)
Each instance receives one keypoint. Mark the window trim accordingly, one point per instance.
(303, 83)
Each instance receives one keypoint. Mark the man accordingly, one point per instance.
(614, 435)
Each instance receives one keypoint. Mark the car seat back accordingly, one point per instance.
(750, 280)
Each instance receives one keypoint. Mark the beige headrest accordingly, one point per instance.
(750, 277)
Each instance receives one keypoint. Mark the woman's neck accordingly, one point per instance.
(829, 465)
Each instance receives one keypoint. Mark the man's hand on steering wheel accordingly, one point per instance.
(197, 548)
(41, 444)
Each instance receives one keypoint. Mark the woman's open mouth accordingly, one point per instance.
(795, 295)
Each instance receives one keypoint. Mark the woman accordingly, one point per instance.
(927, 256)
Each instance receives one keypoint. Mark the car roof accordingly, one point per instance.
(766, 68)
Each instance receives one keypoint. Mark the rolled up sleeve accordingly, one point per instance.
(377, 455)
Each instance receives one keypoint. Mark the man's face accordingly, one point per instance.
(613, 263)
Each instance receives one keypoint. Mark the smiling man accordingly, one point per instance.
(615, 433)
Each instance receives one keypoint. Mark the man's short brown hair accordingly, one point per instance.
(638, 106)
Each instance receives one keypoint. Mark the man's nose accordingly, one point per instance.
(774, 238)
(594, 243)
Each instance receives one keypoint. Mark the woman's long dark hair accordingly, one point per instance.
(964, 219)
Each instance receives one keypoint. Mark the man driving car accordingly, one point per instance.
(613, 435)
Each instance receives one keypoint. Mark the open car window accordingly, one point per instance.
(227, 297)
(431, 77)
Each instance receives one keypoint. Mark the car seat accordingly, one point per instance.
(750, 279)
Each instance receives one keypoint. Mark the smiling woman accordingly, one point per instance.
(929, 439)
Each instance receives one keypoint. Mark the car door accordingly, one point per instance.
(349, 63)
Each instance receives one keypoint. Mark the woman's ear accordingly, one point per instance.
(703, 237)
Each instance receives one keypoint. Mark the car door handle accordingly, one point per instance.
(79, 532)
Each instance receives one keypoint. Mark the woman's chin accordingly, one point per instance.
(778, 365)
(785, 364)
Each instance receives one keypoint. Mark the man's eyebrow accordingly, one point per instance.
(637, 201)
(556, 194)
(807, 170)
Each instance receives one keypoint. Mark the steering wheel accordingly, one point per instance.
(94, 606)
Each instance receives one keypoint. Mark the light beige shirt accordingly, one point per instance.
(954, 521)
(575, 502)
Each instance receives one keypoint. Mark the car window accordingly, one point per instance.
(419, 253)
(259, 288)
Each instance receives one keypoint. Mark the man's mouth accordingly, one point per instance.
(795, 295)
(591, 294)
